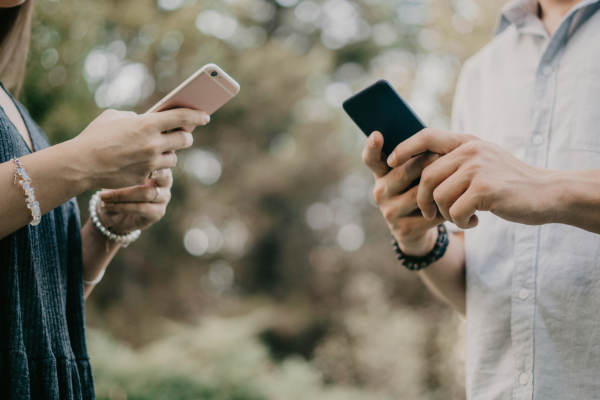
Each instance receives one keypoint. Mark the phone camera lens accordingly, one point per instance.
(214, 73)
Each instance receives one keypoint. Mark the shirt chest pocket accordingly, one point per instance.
(585, 129)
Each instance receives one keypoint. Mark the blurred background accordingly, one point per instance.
(271, 276)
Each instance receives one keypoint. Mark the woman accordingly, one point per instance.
(48, 269)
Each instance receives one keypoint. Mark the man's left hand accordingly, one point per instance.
(475, 175)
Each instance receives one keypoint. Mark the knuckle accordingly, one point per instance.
(437, 197)
(365, 156)
(481, 186)
(413, 195)
(440, 200)
(474, 165)
(389, 213)
(474, 147)
(379, 193)
(149, 193)
(427, 176)
(146, 125)
(455, 215)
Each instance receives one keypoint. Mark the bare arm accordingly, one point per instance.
(576, 199)
(445, 278)
(55, 175)
(98, 251)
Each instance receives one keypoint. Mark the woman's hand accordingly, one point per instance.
(120, 149)
(397, 201)
(137, 207)
(475, 175)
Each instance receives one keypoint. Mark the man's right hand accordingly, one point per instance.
(397, 201)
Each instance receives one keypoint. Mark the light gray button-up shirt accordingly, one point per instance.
(533, 292)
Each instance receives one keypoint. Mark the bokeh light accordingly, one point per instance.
(350, 237)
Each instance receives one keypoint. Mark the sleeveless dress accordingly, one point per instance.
(43, 352)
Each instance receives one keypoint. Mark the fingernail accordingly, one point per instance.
(391, 159)
(429, 212)
(433, 156)
(206, 119)
(106, 194)
(372, 140)
(107, 205)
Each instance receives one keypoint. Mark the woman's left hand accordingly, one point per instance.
(136, 207)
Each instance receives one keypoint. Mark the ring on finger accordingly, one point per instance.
(157, 193)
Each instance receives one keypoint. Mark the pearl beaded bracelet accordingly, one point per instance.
(25, 182)
(125, 240)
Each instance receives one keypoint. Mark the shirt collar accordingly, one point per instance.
(522, 12)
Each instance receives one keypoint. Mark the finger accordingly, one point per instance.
(163, 178)
(432, 177)
(434, 140)
(463, 210)
(166, 161)
(401, 178)
(177, 118)
(373, 156)
(446, 194)
(148, 210)
(401, 205)
(136, 194)
(176, 140)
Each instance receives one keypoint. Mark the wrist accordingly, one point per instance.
(95, 235)
(79, 165)
(419, 247)
(558, 195)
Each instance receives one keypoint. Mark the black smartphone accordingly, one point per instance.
(380, 107)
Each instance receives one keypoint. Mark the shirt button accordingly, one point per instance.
(523, 378)
(547, 70)
(537, 139)
(523, 293)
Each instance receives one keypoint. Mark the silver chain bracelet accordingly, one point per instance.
(125, 240)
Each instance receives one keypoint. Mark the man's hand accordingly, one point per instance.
(397, 201)
(476, 175)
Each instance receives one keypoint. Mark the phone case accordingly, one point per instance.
(380, 107)
(207, 90)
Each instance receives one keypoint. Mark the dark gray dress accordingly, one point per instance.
(43, 351)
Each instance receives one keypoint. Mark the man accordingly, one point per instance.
(527, 273)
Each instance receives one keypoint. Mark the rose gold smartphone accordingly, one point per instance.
(207, 90)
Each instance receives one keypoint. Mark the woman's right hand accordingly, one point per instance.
(416, 236)
(120, 148)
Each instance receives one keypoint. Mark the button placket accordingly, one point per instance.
(527, 237)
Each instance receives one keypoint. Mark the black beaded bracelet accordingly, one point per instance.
(417, 263)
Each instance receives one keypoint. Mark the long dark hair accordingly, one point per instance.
(15, 33)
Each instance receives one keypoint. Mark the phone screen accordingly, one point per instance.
(379, 107)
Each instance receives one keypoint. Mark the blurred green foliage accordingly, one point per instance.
(272, 205)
